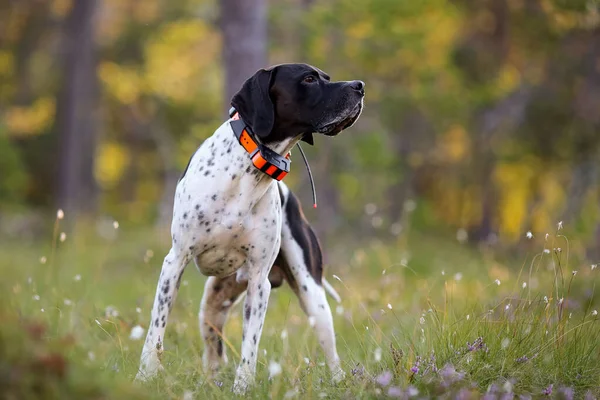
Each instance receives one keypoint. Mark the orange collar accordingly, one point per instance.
(268, 161)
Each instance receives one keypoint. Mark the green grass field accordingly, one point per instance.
(421, 317)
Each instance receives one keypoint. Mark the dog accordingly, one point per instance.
(242, 226)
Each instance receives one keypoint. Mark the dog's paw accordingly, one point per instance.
(242, 383)
(145, 375)
(149, 370)
(338, 375)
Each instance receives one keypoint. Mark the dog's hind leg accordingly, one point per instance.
(166, 291)
(219, 296)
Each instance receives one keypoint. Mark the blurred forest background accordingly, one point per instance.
(482, 117)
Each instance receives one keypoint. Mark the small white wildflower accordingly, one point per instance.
(41, 309)
(524, 285)
(468, 317)
(370, 209)
(443, 272)
(339, 310)
(410, 205)
(458, 276)
(558, 250)
(377, 221)
(507, 307)
(116, 224)
(136, 333)
(560, 301)
(274, 368)
(36, 297)
(60, 214)
(546, 237)
(570, 315)
(63, 237)
(383, 272)
(307, 360)
(138, 310)
(377, 354)
(529, 235)
(396, 229)
(574, 273)
(284, 334)
(366, 328)
(77, 278)
(546, 251)
(497, 282)
(594, 266)
(312, 321)
(461, 235)
(67, 302)
(595, 312)
(43, 260)
(336, 277)
(422, 320)
(389, 306)
(546, 299)
(560, 225)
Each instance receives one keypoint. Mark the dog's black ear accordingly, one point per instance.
(254, 103)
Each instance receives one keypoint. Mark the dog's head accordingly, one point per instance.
(292, 100)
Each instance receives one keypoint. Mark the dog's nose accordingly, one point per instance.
(358, 86)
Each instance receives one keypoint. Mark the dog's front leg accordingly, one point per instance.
(166, 291)
(255, 308)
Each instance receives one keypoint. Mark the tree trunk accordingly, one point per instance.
(244, 29)
(77, 113)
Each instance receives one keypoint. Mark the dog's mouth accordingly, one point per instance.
(336, 127)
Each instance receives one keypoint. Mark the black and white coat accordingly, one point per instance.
(246, 231)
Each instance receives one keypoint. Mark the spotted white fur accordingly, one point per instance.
(228, 217)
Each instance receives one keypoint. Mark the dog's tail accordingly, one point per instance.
(329, 289)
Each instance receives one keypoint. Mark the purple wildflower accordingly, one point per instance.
(415, 368)
(567, 393)
(522, 359)
(359, 370)
(589, 396)
(548, 390)
(395, 391)
(384, 379)
(463, 394)
(218, 383)
(478, 344)
(450, 375)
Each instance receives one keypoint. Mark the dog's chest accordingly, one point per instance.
(223, 215)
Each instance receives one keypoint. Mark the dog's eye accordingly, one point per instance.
(310, 79)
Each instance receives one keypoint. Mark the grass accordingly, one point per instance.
(421, 315)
